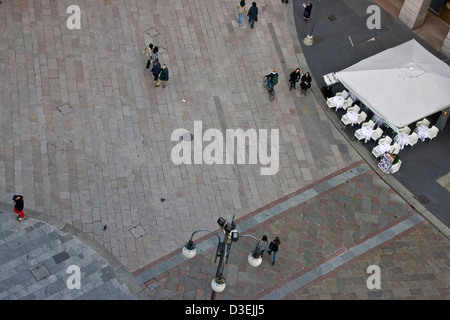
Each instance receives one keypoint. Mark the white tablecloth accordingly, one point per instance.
(353, 117)
(422, 131)
(378, 121)
(366, 132)
(339, 101)
(401, 139)
(384, 147)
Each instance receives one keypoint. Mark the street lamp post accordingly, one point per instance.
(223, 250)
(309, 39)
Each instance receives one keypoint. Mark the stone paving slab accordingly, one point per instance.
(35, 258)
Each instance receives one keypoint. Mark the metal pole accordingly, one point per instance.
(222, 251)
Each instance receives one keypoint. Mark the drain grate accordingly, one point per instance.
(331, 18)
(423, 200)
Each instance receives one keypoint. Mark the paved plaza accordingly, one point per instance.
(87, 139)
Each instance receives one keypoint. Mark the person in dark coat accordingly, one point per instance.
(18, 206)
(307, 11)
(252, 15)
(163, 76)
(294, 77)
(273, 247)
(156, 70)
(305, 82)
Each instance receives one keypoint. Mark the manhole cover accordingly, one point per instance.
(65, 109)
(152, 32)
(138, 231)
(40, 272)
(422, 199)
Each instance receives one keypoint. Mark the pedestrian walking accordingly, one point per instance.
(307, 10)
(163, 76)
(148, 52)
(242, 9)
(274, 246)
(294, 77)
(262, 243)
(18, 206)
(252, 15)
(305, 82)
(156, 70)
(155, 54)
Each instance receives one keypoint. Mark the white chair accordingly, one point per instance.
(347, 103)
(386, 140)
(395, 148)
(376, 151)
(377, 134)
(358, 134)
(413, 138)
(331, 104)
(432, 133)
(423, 122)
(395, 167)
(354, 108)
(369, 123)
(405, 129)
(361, 117)
(343, 94)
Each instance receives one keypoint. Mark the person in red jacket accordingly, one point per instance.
(18, 206)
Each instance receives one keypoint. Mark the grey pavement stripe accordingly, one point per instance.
(336, 262)
(257, 219)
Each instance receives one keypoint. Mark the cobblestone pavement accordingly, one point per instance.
(87, 141)
(36, 259)
(87, 137)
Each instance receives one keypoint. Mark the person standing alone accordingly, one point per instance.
(307, 11)
(18, 206)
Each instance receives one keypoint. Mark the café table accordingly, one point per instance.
(352, 116)
(366, 132)
(401, 139)
(339, 101)
(422, 131)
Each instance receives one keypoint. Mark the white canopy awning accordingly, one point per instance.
(402, 85)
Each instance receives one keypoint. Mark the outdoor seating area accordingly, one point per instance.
(383, 120)
(376, 135)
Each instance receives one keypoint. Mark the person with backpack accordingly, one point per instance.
(272, 79)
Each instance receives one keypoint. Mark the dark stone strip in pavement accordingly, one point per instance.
(345, 257)
(261, 217)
